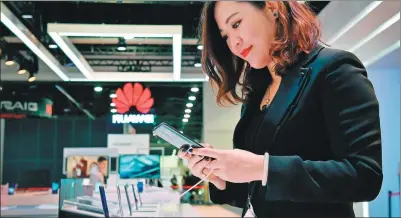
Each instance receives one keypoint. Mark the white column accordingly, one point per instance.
(2, 131)
(218, 122)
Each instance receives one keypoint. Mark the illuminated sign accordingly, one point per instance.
(133, 96)
(133, 118)
(17, 107)
(23, 106)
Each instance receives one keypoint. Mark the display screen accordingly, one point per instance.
(81, 166)
(139, 166)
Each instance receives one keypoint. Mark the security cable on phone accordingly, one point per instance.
(207, 176)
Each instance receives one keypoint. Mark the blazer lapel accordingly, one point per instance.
(290, 91)
(284, 102)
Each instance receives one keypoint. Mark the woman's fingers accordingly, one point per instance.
(206, 145)
(193, 160)
(199, 168)
(183, 151)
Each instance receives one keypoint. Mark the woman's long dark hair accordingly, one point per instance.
(298, 30)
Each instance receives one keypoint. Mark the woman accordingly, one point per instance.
(308, 143)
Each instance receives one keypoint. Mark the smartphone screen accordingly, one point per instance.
(173, 136)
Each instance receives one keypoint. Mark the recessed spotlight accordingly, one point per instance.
(112, 104)
(200, 47)
(187, 116)
(121, 48)
(187, 111)
(21, 71)
(113, 95)
(98, 89)
(9, 62)
(27, 16)
(190, 105)
(185, 120)
(53, 46)
(192, 98)
(31, 78)
(113, 110)
(195, 89)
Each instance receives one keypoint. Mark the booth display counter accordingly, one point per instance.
(79, 200)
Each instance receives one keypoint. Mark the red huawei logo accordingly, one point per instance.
(133, 95)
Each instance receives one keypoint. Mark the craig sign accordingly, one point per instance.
(24, 107)
(133, 97)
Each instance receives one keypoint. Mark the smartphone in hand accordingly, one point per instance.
(174, 137)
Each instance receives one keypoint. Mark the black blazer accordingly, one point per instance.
(322, 132)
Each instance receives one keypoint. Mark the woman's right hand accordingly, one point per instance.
(197, 167)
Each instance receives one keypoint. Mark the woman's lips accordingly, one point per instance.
(246, 51)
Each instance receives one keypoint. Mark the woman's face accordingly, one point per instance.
(247, 30)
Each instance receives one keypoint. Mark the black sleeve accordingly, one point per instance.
(235, 194)
(351, 113)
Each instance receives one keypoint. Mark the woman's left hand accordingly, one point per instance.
(237, 166)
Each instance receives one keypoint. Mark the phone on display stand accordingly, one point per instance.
(104, 202)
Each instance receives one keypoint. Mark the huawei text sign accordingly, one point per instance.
(133, 118)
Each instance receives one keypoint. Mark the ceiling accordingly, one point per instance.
(95, 57)
(369, 29)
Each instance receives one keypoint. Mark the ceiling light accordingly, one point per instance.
(192, 98)
(113, 110)
(53, 46)
(197, 65)
(113, 95)
(121, 48)
(121, 45)
(31, 77)
(98, 89)
(112, 104)
(190, 105)
(22, 71)
(185, 120)
(27, 16)
(187, 116)
(10, 60)
(195, 89)
(200, 47)
(187, 111)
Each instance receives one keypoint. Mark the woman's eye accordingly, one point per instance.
(236, 24)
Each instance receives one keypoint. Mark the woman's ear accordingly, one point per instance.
(272, 8)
